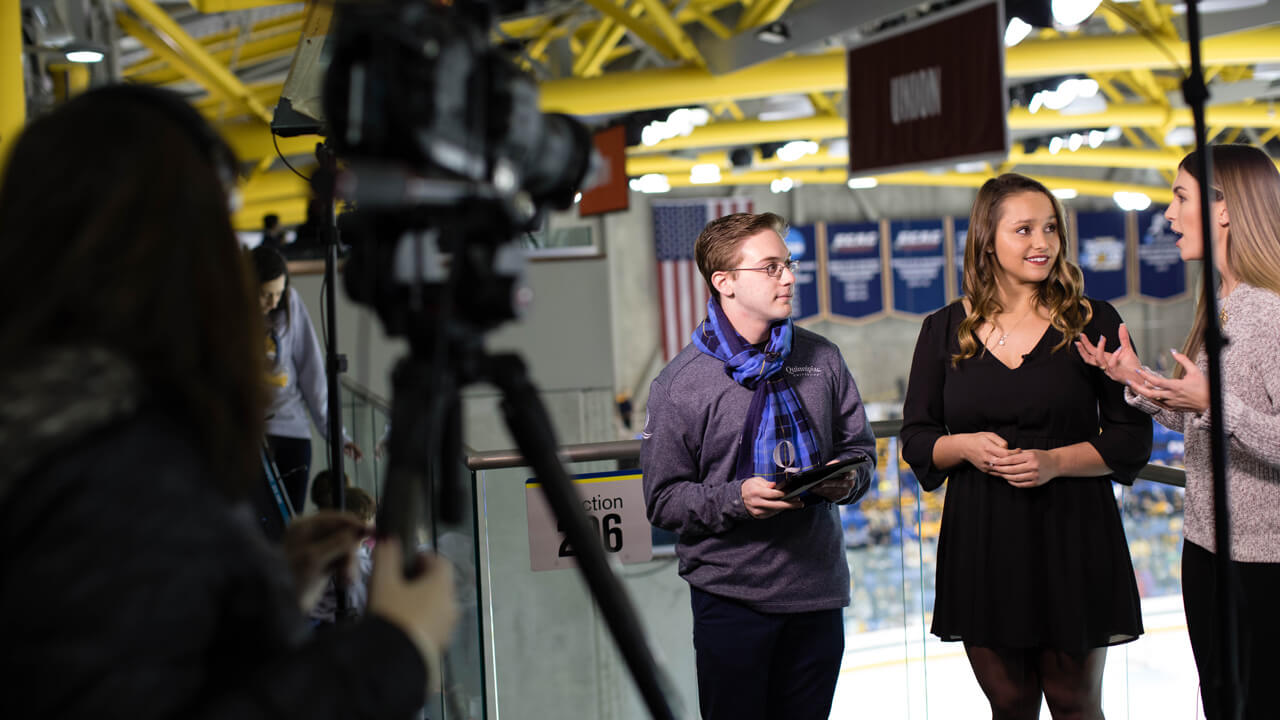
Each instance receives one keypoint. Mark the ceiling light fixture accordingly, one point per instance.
(82, 52)
(775, 33)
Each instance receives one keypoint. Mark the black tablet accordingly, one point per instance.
(795, 483)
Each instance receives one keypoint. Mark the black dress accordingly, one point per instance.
(1044, 567)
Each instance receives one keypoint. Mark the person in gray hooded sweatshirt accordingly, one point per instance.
(750, 399)
(295, 375)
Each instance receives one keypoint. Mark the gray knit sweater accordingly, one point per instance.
(1251, 403)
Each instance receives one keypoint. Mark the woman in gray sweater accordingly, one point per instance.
(1245, 218)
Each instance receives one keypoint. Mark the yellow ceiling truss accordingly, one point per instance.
(1137, 66)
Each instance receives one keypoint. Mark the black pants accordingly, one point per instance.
(293, 460)
(1257, 586)
(754, 665)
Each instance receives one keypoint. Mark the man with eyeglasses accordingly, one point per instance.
(750, 400)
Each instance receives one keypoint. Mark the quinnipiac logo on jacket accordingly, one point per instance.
(803, 371)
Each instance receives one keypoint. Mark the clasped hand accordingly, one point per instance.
(990, 453)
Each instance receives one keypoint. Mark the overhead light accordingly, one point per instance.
(1055, 145)
(1131, 200)
(704, 174)
(651, 183)
(1075, 142)
(1065, 193)
(796, 149)
(838, 147)
(82, 52)
(1180, 137)
(781, 185)
(1073, 12)
(971, 167)
(775, 33)
(1016, 32)
(1096, 138)
(577, 198)
(862, 183)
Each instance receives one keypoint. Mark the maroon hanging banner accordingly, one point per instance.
(930, 94)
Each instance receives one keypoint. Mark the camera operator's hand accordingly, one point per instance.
(317, 545)
(423, 606)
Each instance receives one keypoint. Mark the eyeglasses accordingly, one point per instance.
(773, 269)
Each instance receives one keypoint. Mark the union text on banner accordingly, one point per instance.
(681, 289)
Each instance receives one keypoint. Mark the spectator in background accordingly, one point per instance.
(1244, 216)
(135, 583)
(272, 232)
(1033, 571)
(295, 375)
(355, 580)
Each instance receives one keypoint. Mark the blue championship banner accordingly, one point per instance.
(854, 269)
(961, 233)
(918, 261)
(1103, 257)
(802, 244)
(1161, 273)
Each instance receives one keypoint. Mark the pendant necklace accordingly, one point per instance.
(1005, 336)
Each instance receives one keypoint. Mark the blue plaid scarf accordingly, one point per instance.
(777, 436)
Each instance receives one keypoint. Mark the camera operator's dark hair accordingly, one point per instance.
(115, 227)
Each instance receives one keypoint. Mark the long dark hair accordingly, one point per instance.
(269, 264)
(1247, 180)
(1061, 293)
(115, 227)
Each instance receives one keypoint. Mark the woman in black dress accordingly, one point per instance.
(1033, 571)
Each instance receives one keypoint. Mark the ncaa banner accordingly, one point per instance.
(1103, 256)
(1161, 273)
(855, 271)
(802, 244)
(918, 260)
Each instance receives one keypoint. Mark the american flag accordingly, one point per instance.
(681, 289)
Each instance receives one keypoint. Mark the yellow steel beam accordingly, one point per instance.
(823, 104)
(160, 48)
(629, 19)
(762, 12)
(227, 82)
(1268, 136)
(710, 22)
(272, 186)
(279, 45)
(589, 56)
(672, 31)
(660, 87)
(217, 108)
(749, 132)
(216, 41)
(13, 95)
(251, 141)
(69, 79)
(213, 6)
(1099, 188)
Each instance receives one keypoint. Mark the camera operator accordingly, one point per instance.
(135, 583)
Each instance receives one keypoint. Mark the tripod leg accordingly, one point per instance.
(530, 425)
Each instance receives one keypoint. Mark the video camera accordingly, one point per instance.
(448, 157)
